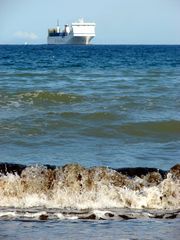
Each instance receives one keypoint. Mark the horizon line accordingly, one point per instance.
(93, 44)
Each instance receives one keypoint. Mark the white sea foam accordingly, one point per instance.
(78, 188)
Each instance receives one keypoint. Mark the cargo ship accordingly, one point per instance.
(79, 32)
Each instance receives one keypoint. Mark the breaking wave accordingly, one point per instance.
(74, 191)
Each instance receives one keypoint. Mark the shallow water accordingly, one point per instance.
(115, 106)
(134, 229)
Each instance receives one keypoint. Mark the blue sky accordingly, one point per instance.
(118, 21)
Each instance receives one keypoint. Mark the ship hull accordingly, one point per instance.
(73, 40)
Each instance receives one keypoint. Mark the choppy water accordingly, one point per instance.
(115, 106)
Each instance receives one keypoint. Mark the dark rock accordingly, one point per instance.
(43, 217)
(13, 168)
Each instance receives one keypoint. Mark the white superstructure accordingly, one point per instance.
(77, 33)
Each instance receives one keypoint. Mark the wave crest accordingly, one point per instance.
(40, 98)
(74, 186)
(50, 97)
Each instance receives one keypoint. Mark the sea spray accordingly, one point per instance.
(76, 187)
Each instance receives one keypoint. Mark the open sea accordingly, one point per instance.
(70, 116)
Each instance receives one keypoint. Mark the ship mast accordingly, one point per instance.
(58, 28)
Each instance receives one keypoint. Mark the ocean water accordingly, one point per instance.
(89, 110)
